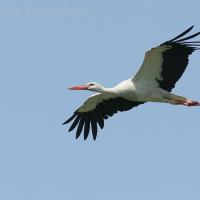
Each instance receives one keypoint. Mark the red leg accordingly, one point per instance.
(188, 102)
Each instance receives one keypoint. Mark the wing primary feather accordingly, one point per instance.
(99, 118)
(187, 38)
(74, 123)
(70, 119)
(182, 34)
(192, 45)
(87, 126)
(189, 44)
(192, 42)
(80, 127)
(93, 125)
(100, 121)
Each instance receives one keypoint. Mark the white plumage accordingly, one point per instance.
(161, 69)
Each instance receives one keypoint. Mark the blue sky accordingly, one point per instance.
(151, 152)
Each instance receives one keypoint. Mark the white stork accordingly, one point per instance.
(161, 69)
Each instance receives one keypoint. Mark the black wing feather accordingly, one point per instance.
(189, 37)
(74, 123)
(93, 125)
(175, 59)
(70, 119)
(182, 34)
(99, 118)
(87, 125)
(103, 110)
(80, 127)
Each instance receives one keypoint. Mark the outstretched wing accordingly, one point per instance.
(164, 65)
(95, 110)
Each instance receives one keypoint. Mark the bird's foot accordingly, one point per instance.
(188, 102)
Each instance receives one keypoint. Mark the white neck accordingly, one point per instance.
(99, 88)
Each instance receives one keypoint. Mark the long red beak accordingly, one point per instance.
(80, 87)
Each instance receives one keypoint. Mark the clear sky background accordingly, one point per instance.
(151, 152)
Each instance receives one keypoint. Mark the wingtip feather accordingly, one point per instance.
(189, 37)
(74, 124)
(70, 119)
(182, 34)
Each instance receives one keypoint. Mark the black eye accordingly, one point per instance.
(91, 84)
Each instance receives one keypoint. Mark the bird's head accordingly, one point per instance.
(92, 86)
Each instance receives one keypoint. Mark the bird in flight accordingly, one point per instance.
(161, 69)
